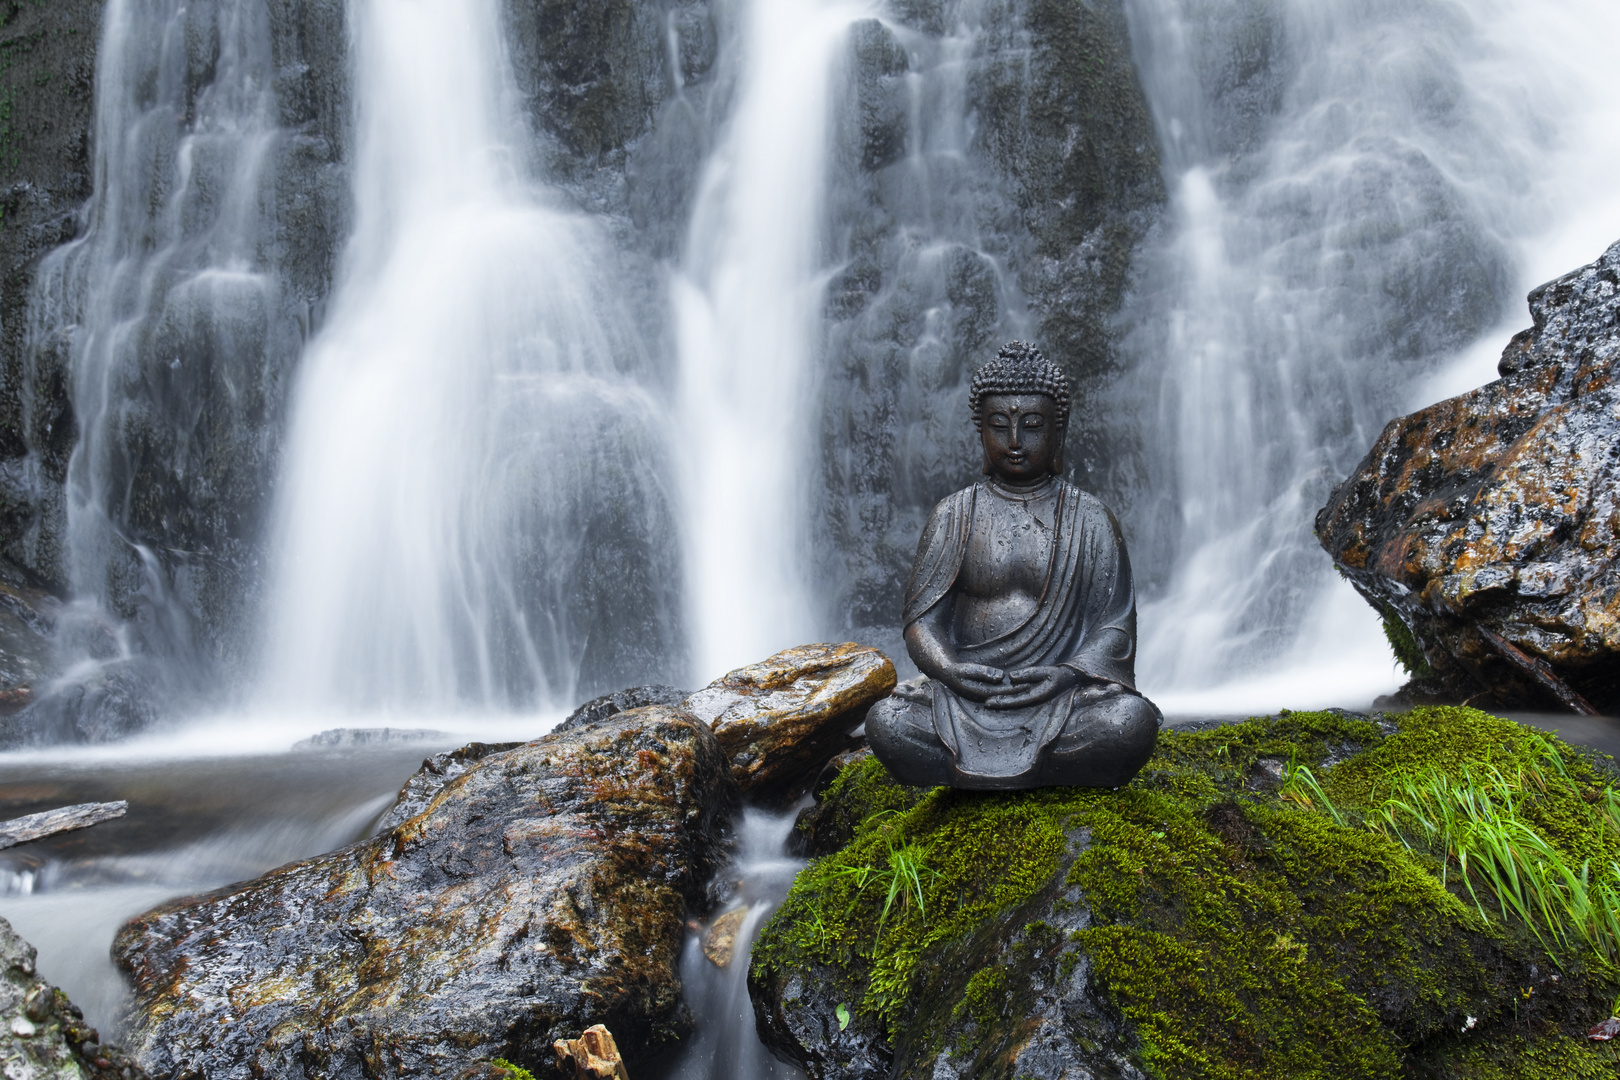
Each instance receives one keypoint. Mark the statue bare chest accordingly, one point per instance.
(1005, 567)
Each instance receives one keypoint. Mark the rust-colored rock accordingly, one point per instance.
(592, 1056)
(540, 892)
(720, 942)
(782, 719)
(1488, 524)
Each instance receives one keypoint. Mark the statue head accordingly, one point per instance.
(1020, 403)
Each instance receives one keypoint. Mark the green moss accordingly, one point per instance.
(1242, 933)
(518, 1072)
(1563, 788)
(985, 998)
(1549, 1057)
(1405, 646)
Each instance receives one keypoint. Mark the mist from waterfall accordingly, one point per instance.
(1360, 193)
(748, 300)
(473, 510)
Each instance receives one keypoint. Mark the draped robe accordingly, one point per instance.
(1085, 619)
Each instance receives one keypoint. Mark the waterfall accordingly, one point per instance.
(1357, 191)
(473, 509)
(167, 296)
(748, 300)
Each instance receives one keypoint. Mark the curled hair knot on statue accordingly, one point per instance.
(1019, 368)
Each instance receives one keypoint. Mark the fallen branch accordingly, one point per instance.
(1539, 670)
(61, 820)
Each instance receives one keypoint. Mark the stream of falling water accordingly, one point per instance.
(471, 437)
(725, 1046)
(748, 313)
(1361, 195)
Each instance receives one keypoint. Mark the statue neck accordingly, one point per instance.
(1032, 490)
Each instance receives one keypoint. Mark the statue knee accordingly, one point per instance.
(901, 734)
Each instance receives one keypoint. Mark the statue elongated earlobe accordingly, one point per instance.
(1057, 458)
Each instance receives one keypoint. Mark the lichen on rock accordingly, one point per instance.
(1204, 921)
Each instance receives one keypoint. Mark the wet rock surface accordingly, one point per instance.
(543, 890)
(1484, 528)
(436, 772)
(619, 701)
(43, 1035)
(781, 720)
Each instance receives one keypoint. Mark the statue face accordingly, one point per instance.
(1021, 436)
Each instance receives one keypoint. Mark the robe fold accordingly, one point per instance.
(1085, 619)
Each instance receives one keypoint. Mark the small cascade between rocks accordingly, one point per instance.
(726, 1046)
(1360, 197)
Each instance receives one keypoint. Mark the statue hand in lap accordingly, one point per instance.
(1020, 614)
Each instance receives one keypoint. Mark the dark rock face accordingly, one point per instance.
(542, 891)
(27, 619)
(47, 78)
(780, 720)
(952, 240)
(43, 1035)
(1484, 527)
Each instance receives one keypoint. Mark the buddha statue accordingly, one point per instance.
(1020, 615)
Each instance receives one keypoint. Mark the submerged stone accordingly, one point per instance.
(540, 892)
(1485, 528)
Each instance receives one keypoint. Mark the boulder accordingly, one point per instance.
(43, 1035)
(1484, 528)
(781, 720)
(1201, 921)
(636, 697)
(542, 891)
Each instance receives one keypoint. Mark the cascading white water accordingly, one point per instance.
(1356, 192)
(748, 314)
(470, 429)
(171, 256)
(726, 1045)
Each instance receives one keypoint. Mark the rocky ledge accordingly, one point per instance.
(1256, 904)
(1486, 528)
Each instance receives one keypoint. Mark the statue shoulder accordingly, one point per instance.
(953, 505)
(1089, 505)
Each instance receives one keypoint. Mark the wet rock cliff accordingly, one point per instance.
(994, 167)
(1484, 527)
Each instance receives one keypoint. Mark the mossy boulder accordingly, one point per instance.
(1247, 907)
